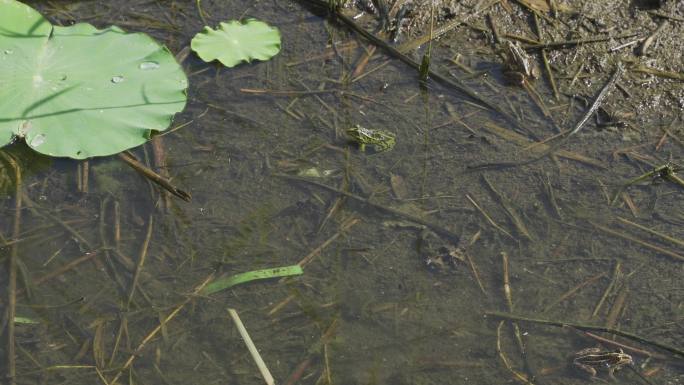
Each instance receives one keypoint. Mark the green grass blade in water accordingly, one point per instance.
(228, 282)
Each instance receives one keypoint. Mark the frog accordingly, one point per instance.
(520, 67)
(590, 360)
(378, 139)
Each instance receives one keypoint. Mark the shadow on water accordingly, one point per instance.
(405, 247)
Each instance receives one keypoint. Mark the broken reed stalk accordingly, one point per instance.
(263, 369)
(677, 352)
(12, 272)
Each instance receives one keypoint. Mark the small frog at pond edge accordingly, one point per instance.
(520, 67)
(590, 360)
(378, 139)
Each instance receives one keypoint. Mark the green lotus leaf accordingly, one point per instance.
(80, 92)
(234, 42)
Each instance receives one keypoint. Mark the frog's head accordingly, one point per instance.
(621, 358)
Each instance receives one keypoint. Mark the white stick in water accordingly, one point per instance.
(252, 349)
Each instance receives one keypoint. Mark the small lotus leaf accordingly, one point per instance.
(80, 92)
(234, 42)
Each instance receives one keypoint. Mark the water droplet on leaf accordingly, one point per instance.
(149, 65)
(37, 140)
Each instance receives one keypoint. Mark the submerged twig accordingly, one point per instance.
(572, 43)
(200, 11)
(141, 260)
(509, 209)
(609, 288)
(659, 73)
(679, 353)
(518, 376)
(630, 348)
(538, 146)
(573, 290)
(12, 273)
(32, 206)
(508, 295)
(346, 225)
(657, 233)
(616, 309)
(63, 269)
(473, 266)
(640, 242)
(488, 218)
(154, 177)
(545, 60)
(159, 154)
(433, 226)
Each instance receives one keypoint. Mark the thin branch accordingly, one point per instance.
(679, 353)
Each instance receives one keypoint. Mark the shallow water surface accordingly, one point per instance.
(406, 251)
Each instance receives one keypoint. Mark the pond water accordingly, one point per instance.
(406, 252)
